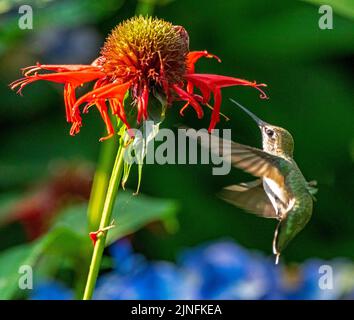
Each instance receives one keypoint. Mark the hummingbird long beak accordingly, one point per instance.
(260, 122)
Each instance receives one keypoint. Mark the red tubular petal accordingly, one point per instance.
(112, 90)
(101, 106)
(208, 83)
(75, 78)
(118, 109)
(87, 107)
(69, 100)
(140, 110)
(114, 106)
(67, 107)
(190, 87)
(75, 128)
(31, 69)
(21, 83)
(100, 83)
(214, 80)
(181, 112)
(141, 99)
(60, 68)
(215, 116)
(77, 122)
(145, 101)
(121, 114)
(205, 88)
(194, 56)
(190, 99)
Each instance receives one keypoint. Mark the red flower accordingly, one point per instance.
(142, 56)
(36, 209)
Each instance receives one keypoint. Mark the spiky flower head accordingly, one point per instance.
(146, 50)
(142, 57)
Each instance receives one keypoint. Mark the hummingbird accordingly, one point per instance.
(281, 192)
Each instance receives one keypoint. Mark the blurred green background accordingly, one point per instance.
(309, 73)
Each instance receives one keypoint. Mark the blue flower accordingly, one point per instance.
(224, 270)
(124, 259)
(321, 280)
(216, 270)
(51, 290)
(158, 280)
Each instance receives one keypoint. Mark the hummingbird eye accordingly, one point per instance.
(269, 132)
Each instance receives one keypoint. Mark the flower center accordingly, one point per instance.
(146, 49)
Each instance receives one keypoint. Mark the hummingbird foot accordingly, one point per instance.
(96, 234)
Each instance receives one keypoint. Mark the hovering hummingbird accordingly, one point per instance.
(281, 192)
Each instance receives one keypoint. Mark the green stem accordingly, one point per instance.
(106, 217)
(100, 182)
(99, 188)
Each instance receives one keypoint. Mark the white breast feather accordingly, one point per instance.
(273, 191)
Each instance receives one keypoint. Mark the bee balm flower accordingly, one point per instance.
(144, 57)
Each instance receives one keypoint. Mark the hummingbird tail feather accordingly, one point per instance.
(275, 250)
(277, 258)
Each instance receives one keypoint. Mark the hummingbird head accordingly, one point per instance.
(276, 140)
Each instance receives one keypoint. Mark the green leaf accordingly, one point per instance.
(133, 212)
(69, 235)
(130, 213)
(342, 7)
(55, 14)
(59, 240)
(10, 262)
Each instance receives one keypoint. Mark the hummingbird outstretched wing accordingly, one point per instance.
(251, 197)
(252, 160)
(255, 161)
